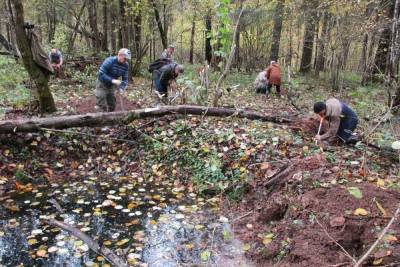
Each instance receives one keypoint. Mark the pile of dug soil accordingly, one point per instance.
(284, 223)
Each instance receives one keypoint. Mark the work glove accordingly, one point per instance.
(116, 82)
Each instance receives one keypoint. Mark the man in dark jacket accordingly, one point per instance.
(108, 79)
(163, 78)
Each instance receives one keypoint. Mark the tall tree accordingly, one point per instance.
(192, 33)
(309, 32)
(276, 32)
(383, 51)
(37, 74)
(208, 47)
(123, 26)
(92, 9)
(104, 40)
(322, 42)
(163, 33)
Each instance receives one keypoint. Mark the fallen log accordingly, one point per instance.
(125, 117)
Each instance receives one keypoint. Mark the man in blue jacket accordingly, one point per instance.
(108, 79)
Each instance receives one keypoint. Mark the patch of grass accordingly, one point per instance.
(12, 91)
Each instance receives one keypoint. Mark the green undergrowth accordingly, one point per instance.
(13, 92)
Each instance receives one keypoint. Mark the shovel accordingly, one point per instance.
(121, 99)
(319, 131)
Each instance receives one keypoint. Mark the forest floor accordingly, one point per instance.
(341, 193)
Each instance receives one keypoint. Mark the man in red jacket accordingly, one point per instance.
(273, 74)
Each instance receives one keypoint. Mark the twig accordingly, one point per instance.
(93, 245)
(331, 238)
(365, 256)
(87, 134)
(242, 216)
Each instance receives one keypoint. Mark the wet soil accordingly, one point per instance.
(306, 200)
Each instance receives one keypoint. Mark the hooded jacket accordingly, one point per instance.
(273, 74)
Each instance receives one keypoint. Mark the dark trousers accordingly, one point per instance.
(277, 86)
(346, 128)
(261, 89)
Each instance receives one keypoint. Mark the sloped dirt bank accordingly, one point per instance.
(294, 221)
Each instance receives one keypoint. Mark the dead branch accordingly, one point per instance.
(93, 245)
(340, 246)
(366, 255)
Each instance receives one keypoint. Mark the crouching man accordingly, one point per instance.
(108, 79)
(342, 120)
(163, 77)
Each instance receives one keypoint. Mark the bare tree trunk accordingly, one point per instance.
(37, 74)
(276, 32)
(113, 37)
(320, 60)
(11, 27)
(92, 8)
(308, 44)
(123, 27)
(192, 32)
(105, 26)
(383, 52)
(208, 47)
(163, 34)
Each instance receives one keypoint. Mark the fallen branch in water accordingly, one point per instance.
(108, 254)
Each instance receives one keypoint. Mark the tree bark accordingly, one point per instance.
(192, 32)
(113, 37)
(37, 74)
(123, 40)
(320, 60)
(92, 8)
(208, 47)
(125, 117)
(163, 34)
(383, 53)
(276, 32)
(104, 40)
(305, 64)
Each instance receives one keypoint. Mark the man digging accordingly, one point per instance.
(342, 121)
(108, 80)
(163, 78)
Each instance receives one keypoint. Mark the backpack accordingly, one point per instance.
(158, 64)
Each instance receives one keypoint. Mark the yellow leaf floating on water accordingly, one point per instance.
(122, 242)
(32, 241)
(361, 211)
(41, 253)
(107, 243)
